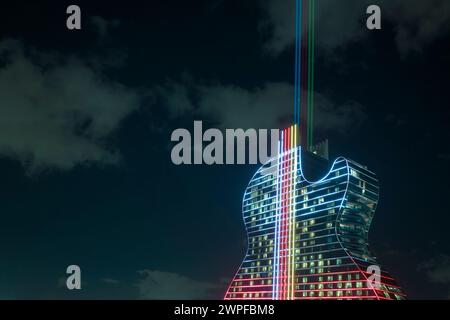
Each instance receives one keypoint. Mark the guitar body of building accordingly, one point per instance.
(308, 235)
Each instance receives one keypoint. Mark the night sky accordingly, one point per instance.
(86, 119)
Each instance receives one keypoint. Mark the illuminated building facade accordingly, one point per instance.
(309, 239)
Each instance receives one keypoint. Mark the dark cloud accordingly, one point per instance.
(57, 112)
(214, 5)
(237, 107)
(341, 118)
(162, 285)
(103, 26)
(110, 281)
(416, 22)
(257, 107)
(444, 156)
(398, 120)
(437, 269)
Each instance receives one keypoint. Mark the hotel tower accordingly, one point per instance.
(307, 222)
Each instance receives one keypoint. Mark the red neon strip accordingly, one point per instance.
(310, 283)
(314, 275)
(280, 246)
(285, 218)
(310, 290)
(283, 234)
(334, 289)
(317, 298)
(362, 272)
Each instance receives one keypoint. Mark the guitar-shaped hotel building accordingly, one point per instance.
(307, 219)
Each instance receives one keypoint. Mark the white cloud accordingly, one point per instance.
(56, 112)
(416, 22)
(267, 106)
(437, 268)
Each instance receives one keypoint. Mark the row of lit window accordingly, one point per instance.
(325, 293)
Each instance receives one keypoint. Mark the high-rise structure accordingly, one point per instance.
(308, 235)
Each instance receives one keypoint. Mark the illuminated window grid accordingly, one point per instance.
(323, 206)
